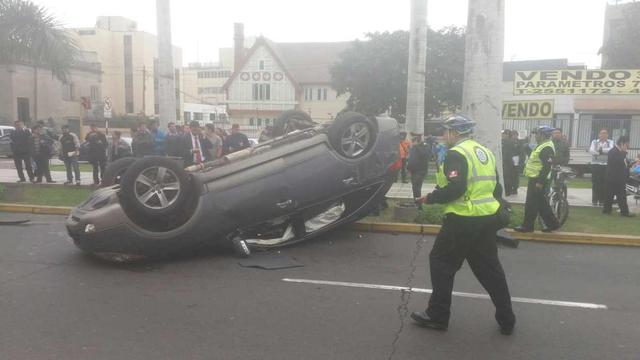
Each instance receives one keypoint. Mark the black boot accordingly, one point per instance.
(422, 319)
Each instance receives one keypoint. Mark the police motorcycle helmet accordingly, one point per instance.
(460, 123)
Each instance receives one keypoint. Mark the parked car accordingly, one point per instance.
(5, 141)
(283, 191)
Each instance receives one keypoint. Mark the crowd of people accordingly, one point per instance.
(33, 148)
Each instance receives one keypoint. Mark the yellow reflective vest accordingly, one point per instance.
(533, 166)
(478, 200)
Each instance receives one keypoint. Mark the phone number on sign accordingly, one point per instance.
(598, 91)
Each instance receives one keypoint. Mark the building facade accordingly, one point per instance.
(580, 116)
(203, 83)
(129, 64)
(31, 94)
(274, 77)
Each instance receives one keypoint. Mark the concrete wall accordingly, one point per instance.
(51, 102)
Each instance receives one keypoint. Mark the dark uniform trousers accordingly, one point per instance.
(537, 203)
(619, 191)
(472, 239)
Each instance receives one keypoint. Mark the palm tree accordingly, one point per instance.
(29, 35)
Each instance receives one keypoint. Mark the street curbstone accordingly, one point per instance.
(557, 237)
(35, 209)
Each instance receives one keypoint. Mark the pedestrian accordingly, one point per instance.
(70, 148)
(173, 141)
(418, 163)
(158, 138)
(215, 141)
(600, 148)
(196, 146)
(21, 151)
(563, 149)
(97, 152)
(616, 176)
(537, 170)
(41, 150)
(236, 141)
(118, 148)
(222, 134)
(405, 145)
(142, 142)
(508, 168)
(468, 187)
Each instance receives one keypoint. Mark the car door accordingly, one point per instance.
(5, 145)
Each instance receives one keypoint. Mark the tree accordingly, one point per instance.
(30, 35)
(374, 72)
(621, 50)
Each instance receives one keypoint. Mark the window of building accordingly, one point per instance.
(261, 92)
(68, 92)
(259, 122)
(319, 94)
(187, 116)
(197, 116)
(324, 94)
(261, 64)
(129, 107)
(267, 121)
(178, 114)
(212, 117)
(214, 74)
(251, 122)
(95, 94)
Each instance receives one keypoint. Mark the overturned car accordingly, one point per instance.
(306, 180)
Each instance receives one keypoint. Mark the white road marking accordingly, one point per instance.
(455, 293)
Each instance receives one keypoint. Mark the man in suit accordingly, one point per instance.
(196, 146)
(21, 151)
(616, 176)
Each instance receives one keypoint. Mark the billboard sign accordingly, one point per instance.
(577, 82)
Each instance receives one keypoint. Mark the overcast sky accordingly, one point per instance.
(535, 29)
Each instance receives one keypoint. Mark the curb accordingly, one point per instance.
(557, 237)
(35, 209)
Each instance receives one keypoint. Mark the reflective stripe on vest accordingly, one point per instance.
(478, 199)
(534, 165)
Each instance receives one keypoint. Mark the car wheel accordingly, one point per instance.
(113, 174)
(155, 186)
(352, 135)
(291, 120)
(241, 248)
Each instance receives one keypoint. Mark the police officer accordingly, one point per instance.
(468, 186)
(537, 170)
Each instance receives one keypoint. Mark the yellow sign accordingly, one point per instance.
(530, 109)
(577, 82)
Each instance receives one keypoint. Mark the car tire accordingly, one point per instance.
(352, 134)
(114, 172)
(154, 187)
(291, 120)
(241, 248)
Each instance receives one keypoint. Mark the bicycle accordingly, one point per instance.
(557, 196)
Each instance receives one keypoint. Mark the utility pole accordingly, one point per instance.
(484, 52)
(166, 73)
(416, 81)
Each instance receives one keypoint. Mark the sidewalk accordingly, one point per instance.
(576, 197)
(8, 174)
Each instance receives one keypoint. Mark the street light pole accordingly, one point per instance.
(416, 80)
(484, 53)
(166, 73)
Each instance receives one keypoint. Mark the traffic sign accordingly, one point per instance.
(107, 108)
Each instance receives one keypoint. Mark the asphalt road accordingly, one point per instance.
(56, 303)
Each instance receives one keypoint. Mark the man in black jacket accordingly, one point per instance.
(418, 164)
(98, 145)
(616, 176)
(195, 146)
(20, 149)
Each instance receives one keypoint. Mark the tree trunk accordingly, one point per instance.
(166, 82)
(416, 81)
(484, 52)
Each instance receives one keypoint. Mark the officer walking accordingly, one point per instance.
(468, 186)
(537, 170)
